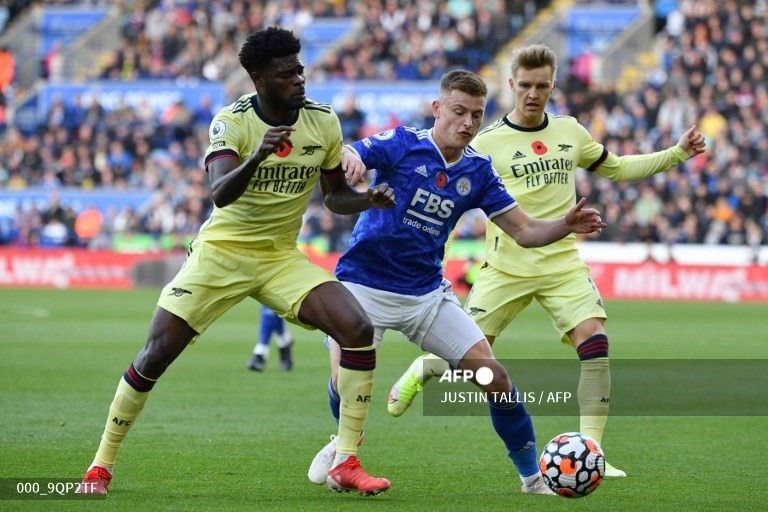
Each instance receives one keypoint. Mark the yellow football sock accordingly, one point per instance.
(124, 410)
(355, 386)
(594, 396)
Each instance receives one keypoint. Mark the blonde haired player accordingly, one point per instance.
(392, 264)
(536, 155)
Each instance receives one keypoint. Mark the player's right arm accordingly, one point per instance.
(229, 180)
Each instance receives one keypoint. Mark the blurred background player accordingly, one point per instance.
(537, 155)
(272, 323)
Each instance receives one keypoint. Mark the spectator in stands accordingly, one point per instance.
(203, 113)
(178, 119)
(5, 14)
(120, 161)
(3, 118)
(7, 68)
(351, 118)
(53, 63)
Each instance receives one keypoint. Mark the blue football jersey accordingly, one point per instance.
(401, 249)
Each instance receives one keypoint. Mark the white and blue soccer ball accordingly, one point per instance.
(572, 464)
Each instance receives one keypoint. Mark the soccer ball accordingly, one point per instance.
(572, 464)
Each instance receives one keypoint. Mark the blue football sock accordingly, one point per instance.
(270, 323)
(334, 400)
(514, 426)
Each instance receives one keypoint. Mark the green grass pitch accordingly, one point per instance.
(215, 436)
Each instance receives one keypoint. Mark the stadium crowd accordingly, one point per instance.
(713, 69)
(418, 40)
(713, 66)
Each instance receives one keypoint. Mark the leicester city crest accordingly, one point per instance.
(463, 186)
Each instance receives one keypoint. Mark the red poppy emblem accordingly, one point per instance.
(442, 180)
(283, 151)
(539, 148)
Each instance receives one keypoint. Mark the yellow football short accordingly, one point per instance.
(215, 277)
(569, 298)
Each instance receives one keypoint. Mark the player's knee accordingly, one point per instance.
(357, 334)
(499, 381)
(150, 362)
(156, 355)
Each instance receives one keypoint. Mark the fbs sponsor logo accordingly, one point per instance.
(178, 292)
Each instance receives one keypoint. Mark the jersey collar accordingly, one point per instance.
(543, 125)
(447, 164)
(267, 120)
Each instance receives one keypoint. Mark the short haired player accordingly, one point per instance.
(393, 263)
(267, 152)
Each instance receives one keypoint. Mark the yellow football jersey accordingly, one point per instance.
(270, 211)
(538, 168)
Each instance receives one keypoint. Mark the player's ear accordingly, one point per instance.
(436, 108)
(257, 79)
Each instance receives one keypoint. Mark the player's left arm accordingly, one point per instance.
(530, 231)
(638, 167)
(340, 198)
